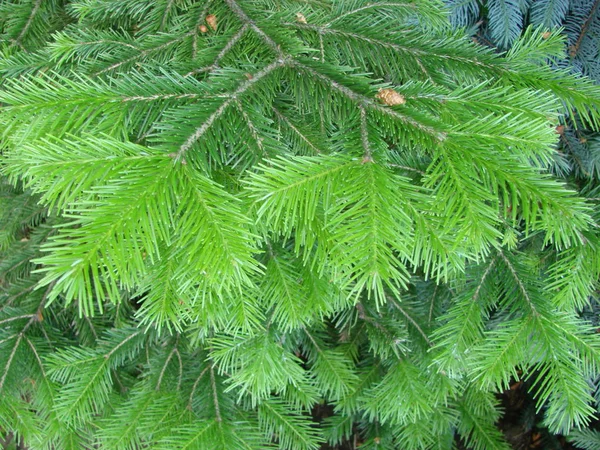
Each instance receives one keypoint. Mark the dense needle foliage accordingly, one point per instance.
(498, 23)
(234, 224)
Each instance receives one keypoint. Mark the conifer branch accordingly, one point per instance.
(251, 127)
(574, 49)
(242, 88)
(520, 283)
(431, 305)
(483, 277)
(146, 52)
(322, 47)
(402, 49)
(109, 41)
(407, 168)
(7, 339)
(362, 313)
(370, 6)
(239, 12)
(33, 318)
(195, 386)
(12, 298)
(151, 98)
(369, 103)
(97, 373)
(410, 319)
(290, 125)
(343, 384)
(201, 18)
(215, 395)
(10, 360)
(37, 356)
(25, 29)
(164, 367)
(166, 14)
(364, 136)
(92, 327)
(121, 344)
(226, 48)
(10, 319)
(170, 233)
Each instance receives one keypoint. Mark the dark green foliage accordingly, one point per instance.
(235, 224)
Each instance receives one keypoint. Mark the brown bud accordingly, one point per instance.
(203, 28)
(560, 129)
(390, 97)
(300, 18)
(546, 35)
(211, 21)
(573, 51)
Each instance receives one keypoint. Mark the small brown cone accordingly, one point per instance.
(390, 97)
(211, 21)
(300, 18)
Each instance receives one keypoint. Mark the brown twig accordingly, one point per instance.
(574, 49)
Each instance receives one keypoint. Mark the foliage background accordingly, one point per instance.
(189, 262)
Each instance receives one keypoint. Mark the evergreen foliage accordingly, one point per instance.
(578, 146)
(221, 216)
(499, 27)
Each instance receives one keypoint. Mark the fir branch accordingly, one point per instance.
(10, 359)
(173, 352)
(10, 319)
(146, 52)
(34, 318)
(215, 395)
(25, 29)
(364, 136)
(195, 386)
(226, 48)
(291, 430)
(166, 14)
(520, 284)
(287, 121)
(121, 344)
(409, 169)
(369, 103)
(574, 49)
(239, 12)
(410, 319)
(201, 18)
(231, 98)
(391, 45)
(251, 127)
(370, 6)
(225, 248)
